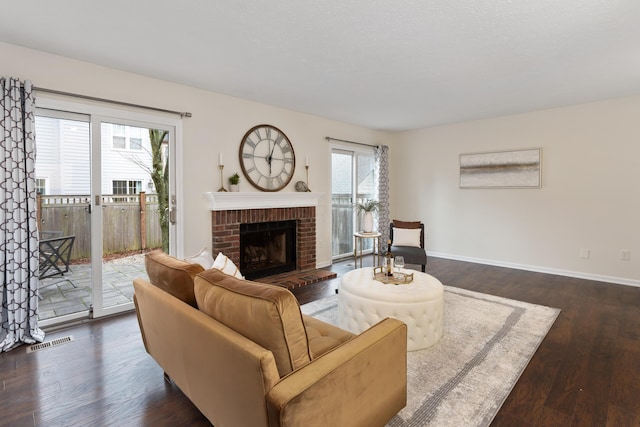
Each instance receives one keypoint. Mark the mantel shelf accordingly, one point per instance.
(224, 201)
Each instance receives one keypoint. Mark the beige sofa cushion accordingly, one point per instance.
(172, 275)
(266, 314)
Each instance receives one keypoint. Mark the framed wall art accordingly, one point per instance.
(502, 169)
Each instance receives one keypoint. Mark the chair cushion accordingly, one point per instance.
(411, 255)
(406, 224)
(266, 314)
(172, 275)
(406, 237)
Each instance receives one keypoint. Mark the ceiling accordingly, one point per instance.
(384, 64)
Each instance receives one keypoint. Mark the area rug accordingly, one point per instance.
(464, 379)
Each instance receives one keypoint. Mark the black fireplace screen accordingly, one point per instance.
(267, 248)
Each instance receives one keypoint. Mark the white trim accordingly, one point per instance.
(223, 201)
(58, 320)
(537, 269)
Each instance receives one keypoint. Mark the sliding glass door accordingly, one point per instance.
(63, 184)
(353, 181)
(107, 185)
(134, 193)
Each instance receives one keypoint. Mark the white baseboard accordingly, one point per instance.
(537, 269)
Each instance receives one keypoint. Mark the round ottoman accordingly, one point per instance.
(363, 302)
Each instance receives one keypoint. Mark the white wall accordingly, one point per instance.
(591, 170)
(590, 195)
(217, 125)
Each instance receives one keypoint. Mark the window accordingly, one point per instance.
(135, 143)
(119, 138)
(41, 186)
(127, 186)
(135, 187)
(126, 137)
(119, 187)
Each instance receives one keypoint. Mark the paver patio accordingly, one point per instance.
(72, 292)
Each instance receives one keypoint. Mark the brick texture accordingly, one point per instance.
(225, 226)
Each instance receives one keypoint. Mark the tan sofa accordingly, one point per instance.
(248, 357)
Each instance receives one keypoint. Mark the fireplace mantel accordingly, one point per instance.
(223, 201)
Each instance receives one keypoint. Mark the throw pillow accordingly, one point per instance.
(204, 258)
(406, 237)
(224, 264)
(405, 224)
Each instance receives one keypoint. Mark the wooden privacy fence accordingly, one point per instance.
(130, 222)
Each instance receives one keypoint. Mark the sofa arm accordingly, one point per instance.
(362, 382)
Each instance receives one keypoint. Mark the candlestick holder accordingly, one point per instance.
(221, 189)
(307, 168)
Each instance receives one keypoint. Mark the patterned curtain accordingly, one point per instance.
(18, 225)
(382, 172)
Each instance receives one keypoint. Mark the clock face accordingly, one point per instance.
(267, 158)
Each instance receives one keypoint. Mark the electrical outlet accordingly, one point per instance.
(584, 253)
(625, 255)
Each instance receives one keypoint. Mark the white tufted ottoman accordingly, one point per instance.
(363, 302)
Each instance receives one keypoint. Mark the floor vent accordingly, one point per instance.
(48, 344)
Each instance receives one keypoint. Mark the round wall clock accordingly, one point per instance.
(267, 158)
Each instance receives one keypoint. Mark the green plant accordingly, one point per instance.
(234, 179)
(368, 205)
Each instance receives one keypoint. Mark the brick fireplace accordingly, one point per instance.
(229, 210)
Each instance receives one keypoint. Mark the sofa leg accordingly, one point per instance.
(424, 268)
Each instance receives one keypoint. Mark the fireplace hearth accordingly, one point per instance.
(267, 248)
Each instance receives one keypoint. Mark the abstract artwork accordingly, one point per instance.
(501, 169)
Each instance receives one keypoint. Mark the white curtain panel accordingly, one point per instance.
(18, 225)
(382, 170)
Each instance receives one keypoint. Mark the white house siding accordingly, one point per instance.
(63, 158)
(63, 155)
(120, 164)
(75, 157)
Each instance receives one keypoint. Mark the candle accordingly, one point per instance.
(220, 159)
(306, 160)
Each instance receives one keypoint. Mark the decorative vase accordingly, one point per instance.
(367, 222)
(234, 187)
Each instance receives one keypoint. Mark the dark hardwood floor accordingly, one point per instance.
(585, 373)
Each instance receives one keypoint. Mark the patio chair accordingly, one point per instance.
(55, 255)
(50, 234)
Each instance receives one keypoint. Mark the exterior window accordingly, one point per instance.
(119, 187)
(135, 143)
(135, 187)
(119, 137)
(127, 137)
(41, 186)
(135, 138)
(127, 186)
